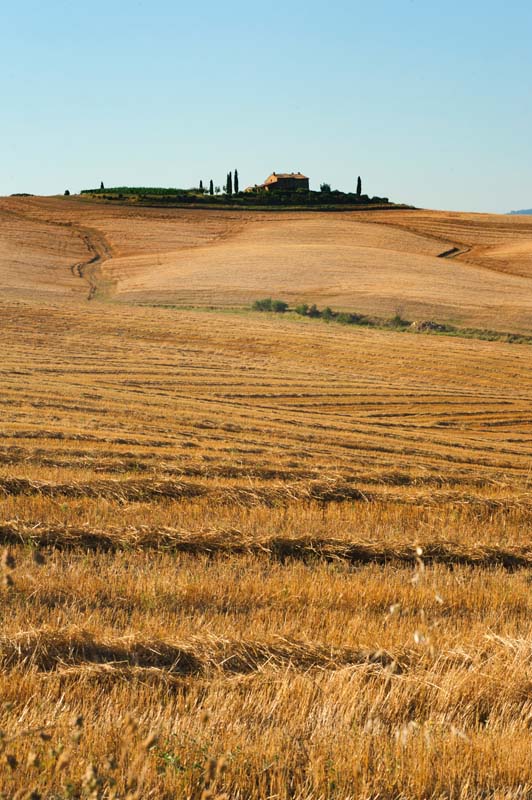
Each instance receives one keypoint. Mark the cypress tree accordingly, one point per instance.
(102, 186)
(211, 187)
(359, 186)
(230, 183)
(236, 181)
(201, 186)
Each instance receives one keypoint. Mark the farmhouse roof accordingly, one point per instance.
(287, 175)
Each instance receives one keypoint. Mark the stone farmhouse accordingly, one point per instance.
(285, 181)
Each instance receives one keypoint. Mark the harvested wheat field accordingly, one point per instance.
(253, 556)
(376, 263)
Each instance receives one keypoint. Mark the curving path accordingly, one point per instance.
(90, 270)
(37, 252)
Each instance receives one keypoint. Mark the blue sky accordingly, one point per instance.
(431, 102)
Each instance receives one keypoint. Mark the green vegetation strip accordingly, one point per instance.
(396, 322)
(197, 197)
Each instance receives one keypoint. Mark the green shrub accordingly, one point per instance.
(262, 305)
(302, 310)
(347, 319)
(328, 314)
(314, 311)
(134, 190)
(278, 306)
(397, 321)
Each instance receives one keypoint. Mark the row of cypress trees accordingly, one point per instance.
(231, 184)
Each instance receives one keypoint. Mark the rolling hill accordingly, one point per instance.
(372, 262)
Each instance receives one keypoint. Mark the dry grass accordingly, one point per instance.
(496, 242)
(230, 541)
(257, 558)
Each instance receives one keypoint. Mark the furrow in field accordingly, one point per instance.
(48, 650)
(66, 650)
(323, 492)
(279, 548)
(177, 466)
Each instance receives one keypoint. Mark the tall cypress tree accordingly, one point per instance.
(359, 186)
(201, 186)
(236, 181)
(211, 187)
(230, 183)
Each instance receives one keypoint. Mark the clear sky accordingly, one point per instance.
(430, 101)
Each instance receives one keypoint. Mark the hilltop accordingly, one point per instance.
(330, 200)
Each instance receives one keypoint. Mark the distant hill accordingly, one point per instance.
(523, 211)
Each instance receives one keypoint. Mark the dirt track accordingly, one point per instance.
(90, 270)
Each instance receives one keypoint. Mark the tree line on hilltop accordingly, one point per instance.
(231, 191)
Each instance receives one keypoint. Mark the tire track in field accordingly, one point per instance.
(93, 240)
(90, 270)
(454, 252)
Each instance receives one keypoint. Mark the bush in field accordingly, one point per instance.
(349, 319)
(397, 321)
(262, 305)
(278, 306)
(344, 319)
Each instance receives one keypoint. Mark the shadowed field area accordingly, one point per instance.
(246, 555)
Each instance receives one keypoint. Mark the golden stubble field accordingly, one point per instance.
(249, 556)
(377, 263)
